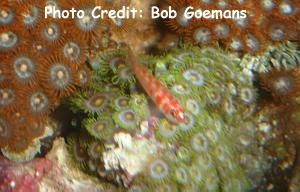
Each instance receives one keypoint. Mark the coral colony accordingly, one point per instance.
(267, 20)
(162, 95)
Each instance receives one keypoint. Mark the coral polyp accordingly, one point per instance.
(87, 27)
(158, 170)
(194, 77)
(37, 102)
(126, 118)
(83, 77)
(166, 131)
(100, 128)
(181, 23)
(8, 97)
(124, 77)
(23, 66)
(58, 77)
(282, 84)
(78, 152)
(7, 16)
(87, 24)
(22, 150)
(51, 33)
(95, 149)
(120, 102)
(189, 123)
(75, 50)
(97, 103)
(199, 142)
(30, 15)
(8, 40)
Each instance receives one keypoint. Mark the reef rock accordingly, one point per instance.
(53, 173)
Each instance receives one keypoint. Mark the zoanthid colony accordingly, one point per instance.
(210, 151)
(265, 22)
(42, 60)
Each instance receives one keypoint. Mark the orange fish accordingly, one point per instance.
(159, 94)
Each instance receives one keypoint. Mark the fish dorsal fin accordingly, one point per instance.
(131, 58)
